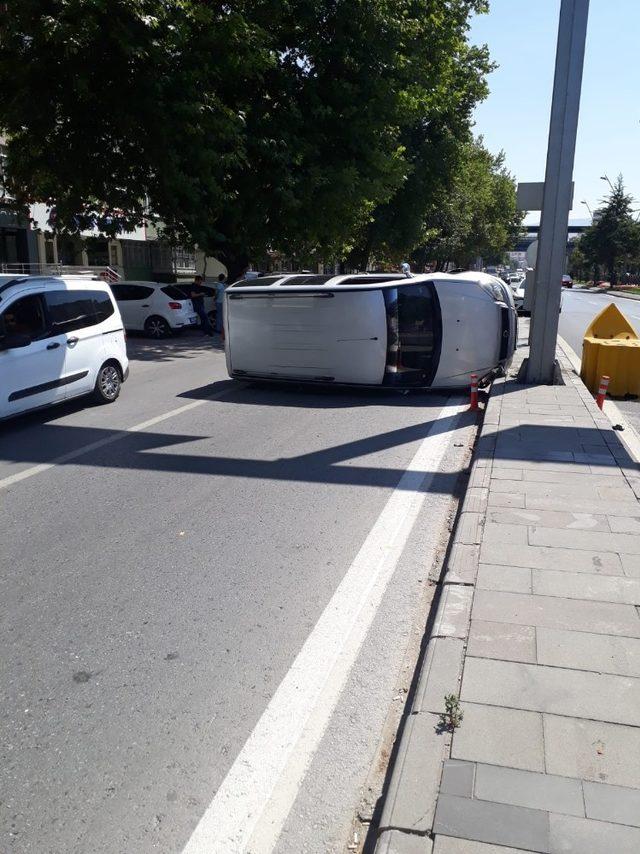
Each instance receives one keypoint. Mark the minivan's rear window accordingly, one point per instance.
(371, 280)
(306, 280)
(259, 281)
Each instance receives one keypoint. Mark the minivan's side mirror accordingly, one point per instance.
(13, 340)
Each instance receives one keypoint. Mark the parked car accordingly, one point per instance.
(567, 281)
(58, 340)
(157, 309)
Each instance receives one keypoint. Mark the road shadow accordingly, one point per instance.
(141, 451)
(190, 344)
(310, 396)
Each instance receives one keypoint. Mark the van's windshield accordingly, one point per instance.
(414, 334)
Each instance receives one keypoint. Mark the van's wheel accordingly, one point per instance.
(157, 327)
(108, 384)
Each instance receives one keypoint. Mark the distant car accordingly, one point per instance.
(518, 296)
(567, 281)
(518, 300)
(157, 309)
(58, 340)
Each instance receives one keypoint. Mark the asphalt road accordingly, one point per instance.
(580, 307)
(578, 310)
(212, 599)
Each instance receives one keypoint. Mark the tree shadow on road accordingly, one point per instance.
(146, 451)
(189, 345)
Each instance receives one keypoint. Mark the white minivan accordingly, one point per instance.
(58, 340)
(425, 331)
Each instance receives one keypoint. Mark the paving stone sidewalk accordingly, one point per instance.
(538, 633)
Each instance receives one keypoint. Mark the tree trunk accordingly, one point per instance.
(236, 266)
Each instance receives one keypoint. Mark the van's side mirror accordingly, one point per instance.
(13, 340)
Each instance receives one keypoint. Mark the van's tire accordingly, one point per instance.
(108, 383)
(157, 327)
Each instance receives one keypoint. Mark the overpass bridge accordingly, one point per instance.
(530, 233)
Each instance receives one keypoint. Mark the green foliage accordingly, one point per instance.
(105, 104)
(477, 213)
(614, 238)
(262, 124)
(452, 716)
(579, 265)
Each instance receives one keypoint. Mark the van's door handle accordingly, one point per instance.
(145, 305)
(71, 342)
(53, 346)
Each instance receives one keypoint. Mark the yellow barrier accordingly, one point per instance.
(611, 346)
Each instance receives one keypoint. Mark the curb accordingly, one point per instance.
(410, 798)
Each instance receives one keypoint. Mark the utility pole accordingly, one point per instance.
(556, 204)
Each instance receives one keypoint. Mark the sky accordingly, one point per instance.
(521, 36)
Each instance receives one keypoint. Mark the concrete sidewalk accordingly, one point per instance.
(538, 633)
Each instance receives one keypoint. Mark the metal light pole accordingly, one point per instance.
(583, 202)
(606, 178)
(556, 204)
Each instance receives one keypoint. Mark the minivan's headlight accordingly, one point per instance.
(494, 290)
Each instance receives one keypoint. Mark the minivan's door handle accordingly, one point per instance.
(71, 342)
(145, 305)
(53, 346)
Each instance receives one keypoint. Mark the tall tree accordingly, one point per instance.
(614, 238)
(260, 124)
(476, 214)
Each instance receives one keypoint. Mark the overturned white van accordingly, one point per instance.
(368, 329)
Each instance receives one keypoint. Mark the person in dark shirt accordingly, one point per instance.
(197, 294)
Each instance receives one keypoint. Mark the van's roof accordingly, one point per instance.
(285, 281)
(60, 281)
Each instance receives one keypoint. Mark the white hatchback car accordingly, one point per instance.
(158, 309)
(58, 340)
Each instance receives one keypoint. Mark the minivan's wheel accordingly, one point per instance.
(108, 384)
(157, 327)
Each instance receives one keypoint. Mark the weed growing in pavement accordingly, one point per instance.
(452, 716)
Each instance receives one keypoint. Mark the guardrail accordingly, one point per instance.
(39, 269)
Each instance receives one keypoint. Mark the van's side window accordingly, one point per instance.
(24, 317)
(71, 310)
(103, 305)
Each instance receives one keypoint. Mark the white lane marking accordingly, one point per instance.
(108, 440)
(249, 809)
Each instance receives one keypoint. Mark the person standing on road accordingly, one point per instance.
(220, 289)
(197, 295)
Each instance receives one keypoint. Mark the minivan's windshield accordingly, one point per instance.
(414, 333)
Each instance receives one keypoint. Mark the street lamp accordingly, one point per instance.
(584, 202)
(556, 203)
(606, 178)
